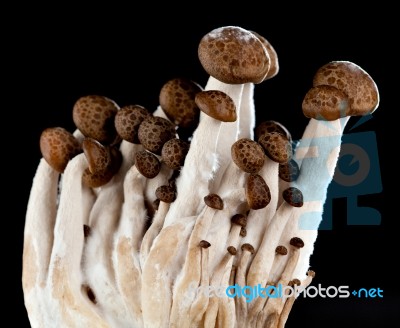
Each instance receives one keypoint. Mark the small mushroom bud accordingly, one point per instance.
(147, 164)
(297, 242)
(174, 152)
(293, 197)
(214, 201)
(248, 247)
(217, 104)
(248, 155)
(177, 101)
(272, 126)
(257, 192)
(58, 146)
(204, 244)
(166, 194)
(289, 171)
(243, 232)
(231, 250)
(281, 250)
(276, 146)
(128, 120)
(154, 132)
(239, 219)
(94, 117)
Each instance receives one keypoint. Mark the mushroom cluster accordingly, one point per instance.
(127, 217)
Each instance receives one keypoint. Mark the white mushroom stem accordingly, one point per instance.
(39, 225)
(275, 305)
(240, 279)
(200, 303)
(191, 271)
(216, 281)
(247, 117)
(153, 231)
(161, 269)
(290, 301)
(127, 242)
(207, 157)
(160, 180)
(104, 218)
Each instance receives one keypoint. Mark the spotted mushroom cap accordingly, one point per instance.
(234, 55)
(154, 132)
(257, 192)
(147, 164)
(128, 120)
(94, 116)
(273, 56)
(177, 101)
(166, 193)
(325, 102)
(354, 82)
(217, 104)
(97, 155)
(289, 171)
(248, 155)
(58, 146)
(276, 146)
(174, 152)
(271, 126)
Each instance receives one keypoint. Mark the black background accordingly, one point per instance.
(55, 57)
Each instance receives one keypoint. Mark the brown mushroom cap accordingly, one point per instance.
(281, 250)
(177, 101)
(217, 104)
(97, 155)
(174, 152)
(166, 193)
(248, 155)
(325, 102)
(351, 79)
(289, 171)
(204, 244)
(248, 247)
(273, 56)
(94, 116)
(231, 250)
(234, 55)
(257, 192)
(58, 146)
(154, 132)
(272, 126)
(239, 219)
(297, 242)
(147, 164)
(128, 120)
(276, 146)
(293, 197)
(214, 201)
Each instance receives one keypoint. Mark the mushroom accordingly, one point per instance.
(232, 56)
(88, 258)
